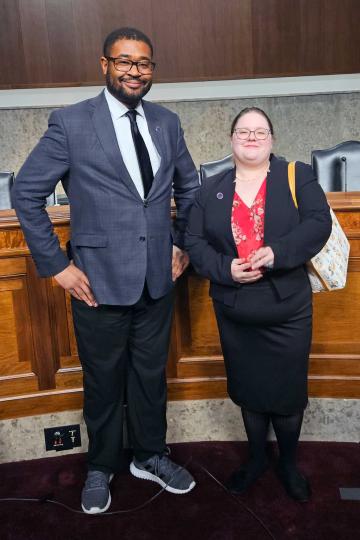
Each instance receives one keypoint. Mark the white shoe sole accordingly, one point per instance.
(96, 509)
(146, 475)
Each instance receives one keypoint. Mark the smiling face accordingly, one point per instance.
(252, 151)
(128, 87)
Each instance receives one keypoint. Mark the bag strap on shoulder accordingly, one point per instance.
(291, 178)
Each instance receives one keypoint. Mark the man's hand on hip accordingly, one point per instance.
(73, 280)
(180, 261)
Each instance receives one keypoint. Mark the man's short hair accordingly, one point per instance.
(125, 33)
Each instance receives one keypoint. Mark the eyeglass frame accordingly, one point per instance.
(112, 59)
(250, 132)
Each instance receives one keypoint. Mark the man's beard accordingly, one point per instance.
(130, 100)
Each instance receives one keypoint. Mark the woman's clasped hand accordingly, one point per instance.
(252, 270)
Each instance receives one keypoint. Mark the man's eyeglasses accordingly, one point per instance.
(243, 134)
(144, 67)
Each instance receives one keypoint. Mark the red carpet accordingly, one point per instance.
(207, 513)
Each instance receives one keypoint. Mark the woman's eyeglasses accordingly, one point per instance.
(243, 134)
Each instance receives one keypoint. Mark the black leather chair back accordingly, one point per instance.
(215, 167)
(6, 183)
(338, 168)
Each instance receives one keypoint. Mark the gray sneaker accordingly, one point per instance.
(95, 496)
(165, 472)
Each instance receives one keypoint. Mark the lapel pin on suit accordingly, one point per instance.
(220, 195)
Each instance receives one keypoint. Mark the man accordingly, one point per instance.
(119, 158)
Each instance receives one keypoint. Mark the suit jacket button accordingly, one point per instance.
(142, 238)
(146, 204)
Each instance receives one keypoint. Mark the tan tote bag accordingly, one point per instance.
(327, 271)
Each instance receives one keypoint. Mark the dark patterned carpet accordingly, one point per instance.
(207, 513)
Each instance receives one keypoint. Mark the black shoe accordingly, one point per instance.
(296, 485)
(243, 478)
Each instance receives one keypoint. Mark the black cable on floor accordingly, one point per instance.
(48, 499)
(238, 501)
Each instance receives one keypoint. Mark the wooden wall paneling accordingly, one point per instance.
(336, 320)
(12, 267)
(201, 353)
(16, 351)
(60, 321)
(196, 368)
(180, 333)
(350, 36)
(276, 37)
(12, 62)
(58, 42)
(204, 333)
(226, 30)
(11, 362)
(63, 48)
(114, 14)
(45, 345)
(336, 387)
(341, 36)
(12, 241)
(182, 312)
(201, 366)
(335, 365)
(351, 222)
(166, 38)
(315, 20)
(173, 356)
(69, 378)
(330, 37)
(72, 340)
(139, 15)
(41, 403)
(190, 41)
(69, 373)
(111, 16)
(23, 329)
(62, 316)
(200, 388)
(89, 38)
(12, 386)
(35, 41)
(210, 40)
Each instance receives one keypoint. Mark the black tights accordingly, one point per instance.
(287, 431)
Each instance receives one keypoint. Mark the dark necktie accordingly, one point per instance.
(142, 153)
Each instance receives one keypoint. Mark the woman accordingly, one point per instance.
(246, 235)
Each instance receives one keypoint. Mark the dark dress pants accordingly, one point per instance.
(123, 351)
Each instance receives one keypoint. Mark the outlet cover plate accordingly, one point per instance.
(62, 437)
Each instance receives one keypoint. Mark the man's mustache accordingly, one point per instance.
(123, 78)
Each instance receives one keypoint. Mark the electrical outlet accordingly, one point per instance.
(62, 437)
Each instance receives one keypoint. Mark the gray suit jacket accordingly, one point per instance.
(117, 239)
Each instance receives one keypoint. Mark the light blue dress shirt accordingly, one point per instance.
(125, 141)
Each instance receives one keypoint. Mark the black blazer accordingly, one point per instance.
(295, 235)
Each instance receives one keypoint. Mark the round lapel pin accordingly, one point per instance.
(220, 195)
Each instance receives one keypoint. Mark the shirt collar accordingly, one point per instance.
(118, 109)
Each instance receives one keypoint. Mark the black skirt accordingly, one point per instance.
(266, 344)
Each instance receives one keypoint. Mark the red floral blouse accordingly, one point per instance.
(247, 223)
